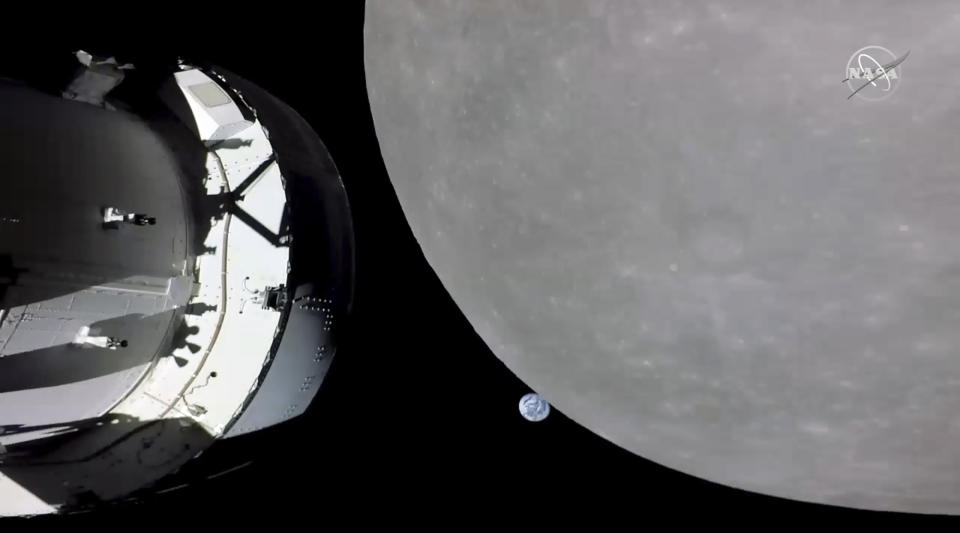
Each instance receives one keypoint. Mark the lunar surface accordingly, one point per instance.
(669, 220)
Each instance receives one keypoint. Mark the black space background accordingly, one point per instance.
(417, 418)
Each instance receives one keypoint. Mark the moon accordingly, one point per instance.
(670, 220)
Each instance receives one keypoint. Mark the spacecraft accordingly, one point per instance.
(176, 261)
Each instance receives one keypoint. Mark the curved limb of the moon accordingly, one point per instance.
(669, 219)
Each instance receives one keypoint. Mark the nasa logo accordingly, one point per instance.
(873, 73)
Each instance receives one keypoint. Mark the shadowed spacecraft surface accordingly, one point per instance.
(674, 225)
(176, 258)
